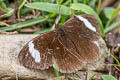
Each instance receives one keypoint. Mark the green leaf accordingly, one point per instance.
(24, 24)
(88, 10)
(20, 2)
(108, 12)
(24, 10)
(92, 3)
(3, 6)
(49, 7)
(117, 61)
(8, 13)
(108, 77)
(113, 16)
(112, 26)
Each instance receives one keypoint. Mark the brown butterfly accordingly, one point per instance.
(70, 47)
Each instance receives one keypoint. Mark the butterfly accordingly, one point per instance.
(70, 46)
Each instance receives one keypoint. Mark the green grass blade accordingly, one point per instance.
(75, 1)
(45, 1)
(60, 1)
(98, 8)
(49, 7)
(56, 70)
(116, 11)
(73, 78)
(114, 58)
(43, 31)
(88, 10)
(67, 2)
(84, 1)
(91, 78)
(24, 24)
(108, 77)
(112, 26)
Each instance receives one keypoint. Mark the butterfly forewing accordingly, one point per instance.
(41, 44)
(76, 26)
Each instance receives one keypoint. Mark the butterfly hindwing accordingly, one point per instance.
(87, 49)
(84, 39)
(76, 26)
(66, 57)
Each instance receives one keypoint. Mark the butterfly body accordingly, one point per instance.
(60, 32)
(70, 47)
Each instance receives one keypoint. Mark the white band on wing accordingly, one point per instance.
(87, 23)
(34, 53)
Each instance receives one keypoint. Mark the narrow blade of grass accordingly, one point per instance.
(86, 1)
(114, 58)
(98, 8)
(73, 78)
(49, 7)
(60, 1)
(45, 1)
(24, 24)
(91, 78)
(56, 70)
(88, 10)
(43, 31)
(67, 2)
(75, 1)
(112, 26)
(113, 16)
(108, 77)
